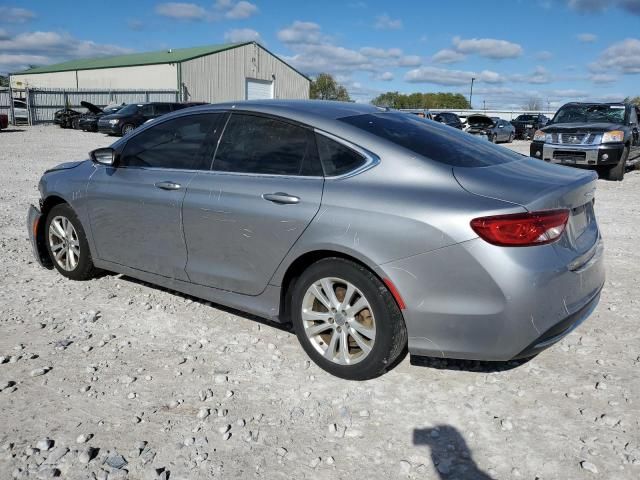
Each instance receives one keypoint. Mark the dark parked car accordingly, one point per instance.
(527, 124)
(133, 115)
(493, 128)
(89, 121)
(603, 136)
(371, 231)
(449, 118)
(64, 117)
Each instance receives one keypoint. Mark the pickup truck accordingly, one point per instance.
(527, 123)
(603, 136)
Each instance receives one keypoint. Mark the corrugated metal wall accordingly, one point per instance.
(43, 103)
(222, 76)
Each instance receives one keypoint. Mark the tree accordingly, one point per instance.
(421, 100)
(325, 87)
(634, 100)
(4, 81)
(532, 104)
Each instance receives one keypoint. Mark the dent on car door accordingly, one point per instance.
(135, 207)
(242, 218)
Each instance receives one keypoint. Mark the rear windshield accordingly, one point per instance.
(433, 140)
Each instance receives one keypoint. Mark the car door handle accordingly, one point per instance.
(282, 198)
(168, 185)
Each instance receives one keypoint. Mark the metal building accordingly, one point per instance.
(215, 73)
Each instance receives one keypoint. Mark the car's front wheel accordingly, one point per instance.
(127, 129)
(616, 172)
(347, 320)
(67, 244)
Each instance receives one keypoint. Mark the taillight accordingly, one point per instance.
(522, 229)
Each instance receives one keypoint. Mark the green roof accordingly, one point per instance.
(175, 55)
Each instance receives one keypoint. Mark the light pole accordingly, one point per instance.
(471, 93)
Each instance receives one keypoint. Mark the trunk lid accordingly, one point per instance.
(536, 185)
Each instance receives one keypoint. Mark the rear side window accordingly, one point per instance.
(261, 145)
(336, 158)
(432, 140)
(162, 108)
(184, 143)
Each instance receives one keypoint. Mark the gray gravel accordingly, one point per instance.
(171, 387)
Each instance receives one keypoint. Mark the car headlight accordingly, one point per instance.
(613, 136)
(539, 136)
(114, 121)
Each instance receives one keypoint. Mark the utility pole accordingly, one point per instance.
(471, 93)
(484, 105)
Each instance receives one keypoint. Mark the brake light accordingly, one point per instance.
(522, 229)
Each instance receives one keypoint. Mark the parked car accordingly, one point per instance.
(528, 123)
(20, 110)
(493, 129)
(89, 121)
(296, 218)
(133, 115)
(65, 116)
(4, 121)
(603, 136)
(449, 118)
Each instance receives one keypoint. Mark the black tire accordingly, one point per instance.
(494, 138)
(84, 270)
(126, 129)
(75, 124)
(616, 172)
(510, 138)
(390, 343)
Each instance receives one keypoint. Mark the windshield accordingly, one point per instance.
(109, 110)
(526, 118)
(433, 140)
(590, 114)
(129, 109)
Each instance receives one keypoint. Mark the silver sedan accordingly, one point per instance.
(371, 232)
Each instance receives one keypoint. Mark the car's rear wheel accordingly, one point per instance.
(67, 244)
(616, 172)
(127, 128)
(346, 319)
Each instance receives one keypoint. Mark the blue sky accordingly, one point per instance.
(553, 50)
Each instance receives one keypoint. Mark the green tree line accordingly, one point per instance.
(421, 100)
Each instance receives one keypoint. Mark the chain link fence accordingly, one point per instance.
(40, 105)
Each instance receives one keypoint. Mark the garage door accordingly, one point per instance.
(259, 89)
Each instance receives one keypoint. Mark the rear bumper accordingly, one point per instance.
(584, 155)
(35, 227)
(477, 301)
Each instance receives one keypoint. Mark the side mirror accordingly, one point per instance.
(104, 156)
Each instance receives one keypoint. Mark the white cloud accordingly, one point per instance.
(587, 37)
(539, 76)
(488, 47)
(15, 15)
(448, 56)
(181, 11)
(443, 76)
(597, 6)
(241, 10)
(385, 22)
(384, 76)
(4, 35)
(602, 78)
(621, 57)
(544, 55)
(381, 52)
(302, 33)
(238, 35)
(44, 48)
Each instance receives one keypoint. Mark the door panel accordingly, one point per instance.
(137, 224)
(236, 239)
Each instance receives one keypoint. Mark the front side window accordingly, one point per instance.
(184, 143)
(262, 145)
(336, 158)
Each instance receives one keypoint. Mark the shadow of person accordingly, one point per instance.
(449, 453)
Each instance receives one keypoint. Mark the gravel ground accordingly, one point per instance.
(113, 378)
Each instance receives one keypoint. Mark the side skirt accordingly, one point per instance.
(265, 305)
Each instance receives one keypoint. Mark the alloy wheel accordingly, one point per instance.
(338, 321)
(64, 243)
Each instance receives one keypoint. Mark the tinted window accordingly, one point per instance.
(253, 144)
(433, 140)
(147, 110)
(184, 143)
(162, 108)
(336, 158)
